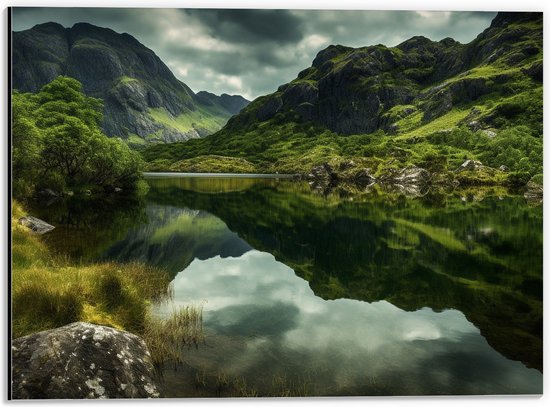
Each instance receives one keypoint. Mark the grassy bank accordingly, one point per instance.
(49, 291)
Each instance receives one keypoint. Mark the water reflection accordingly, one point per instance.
(350, 347)
(353, 294)
(482, 257)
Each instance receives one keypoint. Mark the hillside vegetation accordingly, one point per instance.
(425, 103)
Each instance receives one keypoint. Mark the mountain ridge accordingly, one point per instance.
(417, 103)
(143, 100)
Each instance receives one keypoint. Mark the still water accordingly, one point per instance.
(333, 294)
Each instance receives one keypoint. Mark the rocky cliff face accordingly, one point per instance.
(360, 90)
(141, 95)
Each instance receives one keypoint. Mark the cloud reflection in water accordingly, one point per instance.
(351, 347)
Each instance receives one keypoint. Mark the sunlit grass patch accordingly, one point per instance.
(111, 294)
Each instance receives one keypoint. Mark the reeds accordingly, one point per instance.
(168, 337)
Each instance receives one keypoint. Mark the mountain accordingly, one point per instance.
(143, 100)
(360, 90)
(232, 103)
(419, 103)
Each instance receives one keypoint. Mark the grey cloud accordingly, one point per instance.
(250, 26)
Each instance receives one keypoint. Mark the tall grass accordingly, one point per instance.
(167, 337)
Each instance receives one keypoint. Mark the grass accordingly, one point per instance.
(214, 163)
(48, 291)
(200, 118)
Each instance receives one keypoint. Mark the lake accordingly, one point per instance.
(312, 294)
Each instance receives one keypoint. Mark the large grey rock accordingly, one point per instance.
(82, 360)
(410, 181)
(36, 225)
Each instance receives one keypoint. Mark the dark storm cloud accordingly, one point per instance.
(252, 52)
(250, 26)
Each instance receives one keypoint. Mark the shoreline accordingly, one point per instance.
(215, 175)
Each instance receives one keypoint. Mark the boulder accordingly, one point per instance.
(490, 133)
(364, 177)
(322, 173)
(469, 165)
(412, 175)
(82, 360)
(504, 168)
(36, 225)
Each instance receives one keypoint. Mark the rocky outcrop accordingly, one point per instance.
(412, 180)
(411, 175)
(82, 360)
(322, 174)
(270, 108)
(38, 226)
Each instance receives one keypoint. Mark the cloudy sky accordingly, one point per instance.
(252, 52)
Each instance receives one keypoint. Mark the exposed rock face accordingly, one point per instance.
(128, 76)
(82, 360)
(36, 225)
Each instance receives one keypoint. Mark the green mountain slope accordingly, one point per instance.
(432, 104)
(143, 100)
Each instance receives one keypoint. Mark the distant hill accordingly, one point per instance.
(143, 101)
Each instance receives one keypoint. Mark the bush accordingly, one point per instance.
(518, 179)
(537, 179)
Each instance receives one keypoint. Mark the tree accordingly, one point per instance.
(26, 144)
(57, 139)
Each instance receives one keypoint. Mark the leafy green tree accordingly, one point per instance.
(58, 142)
(26, 144)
